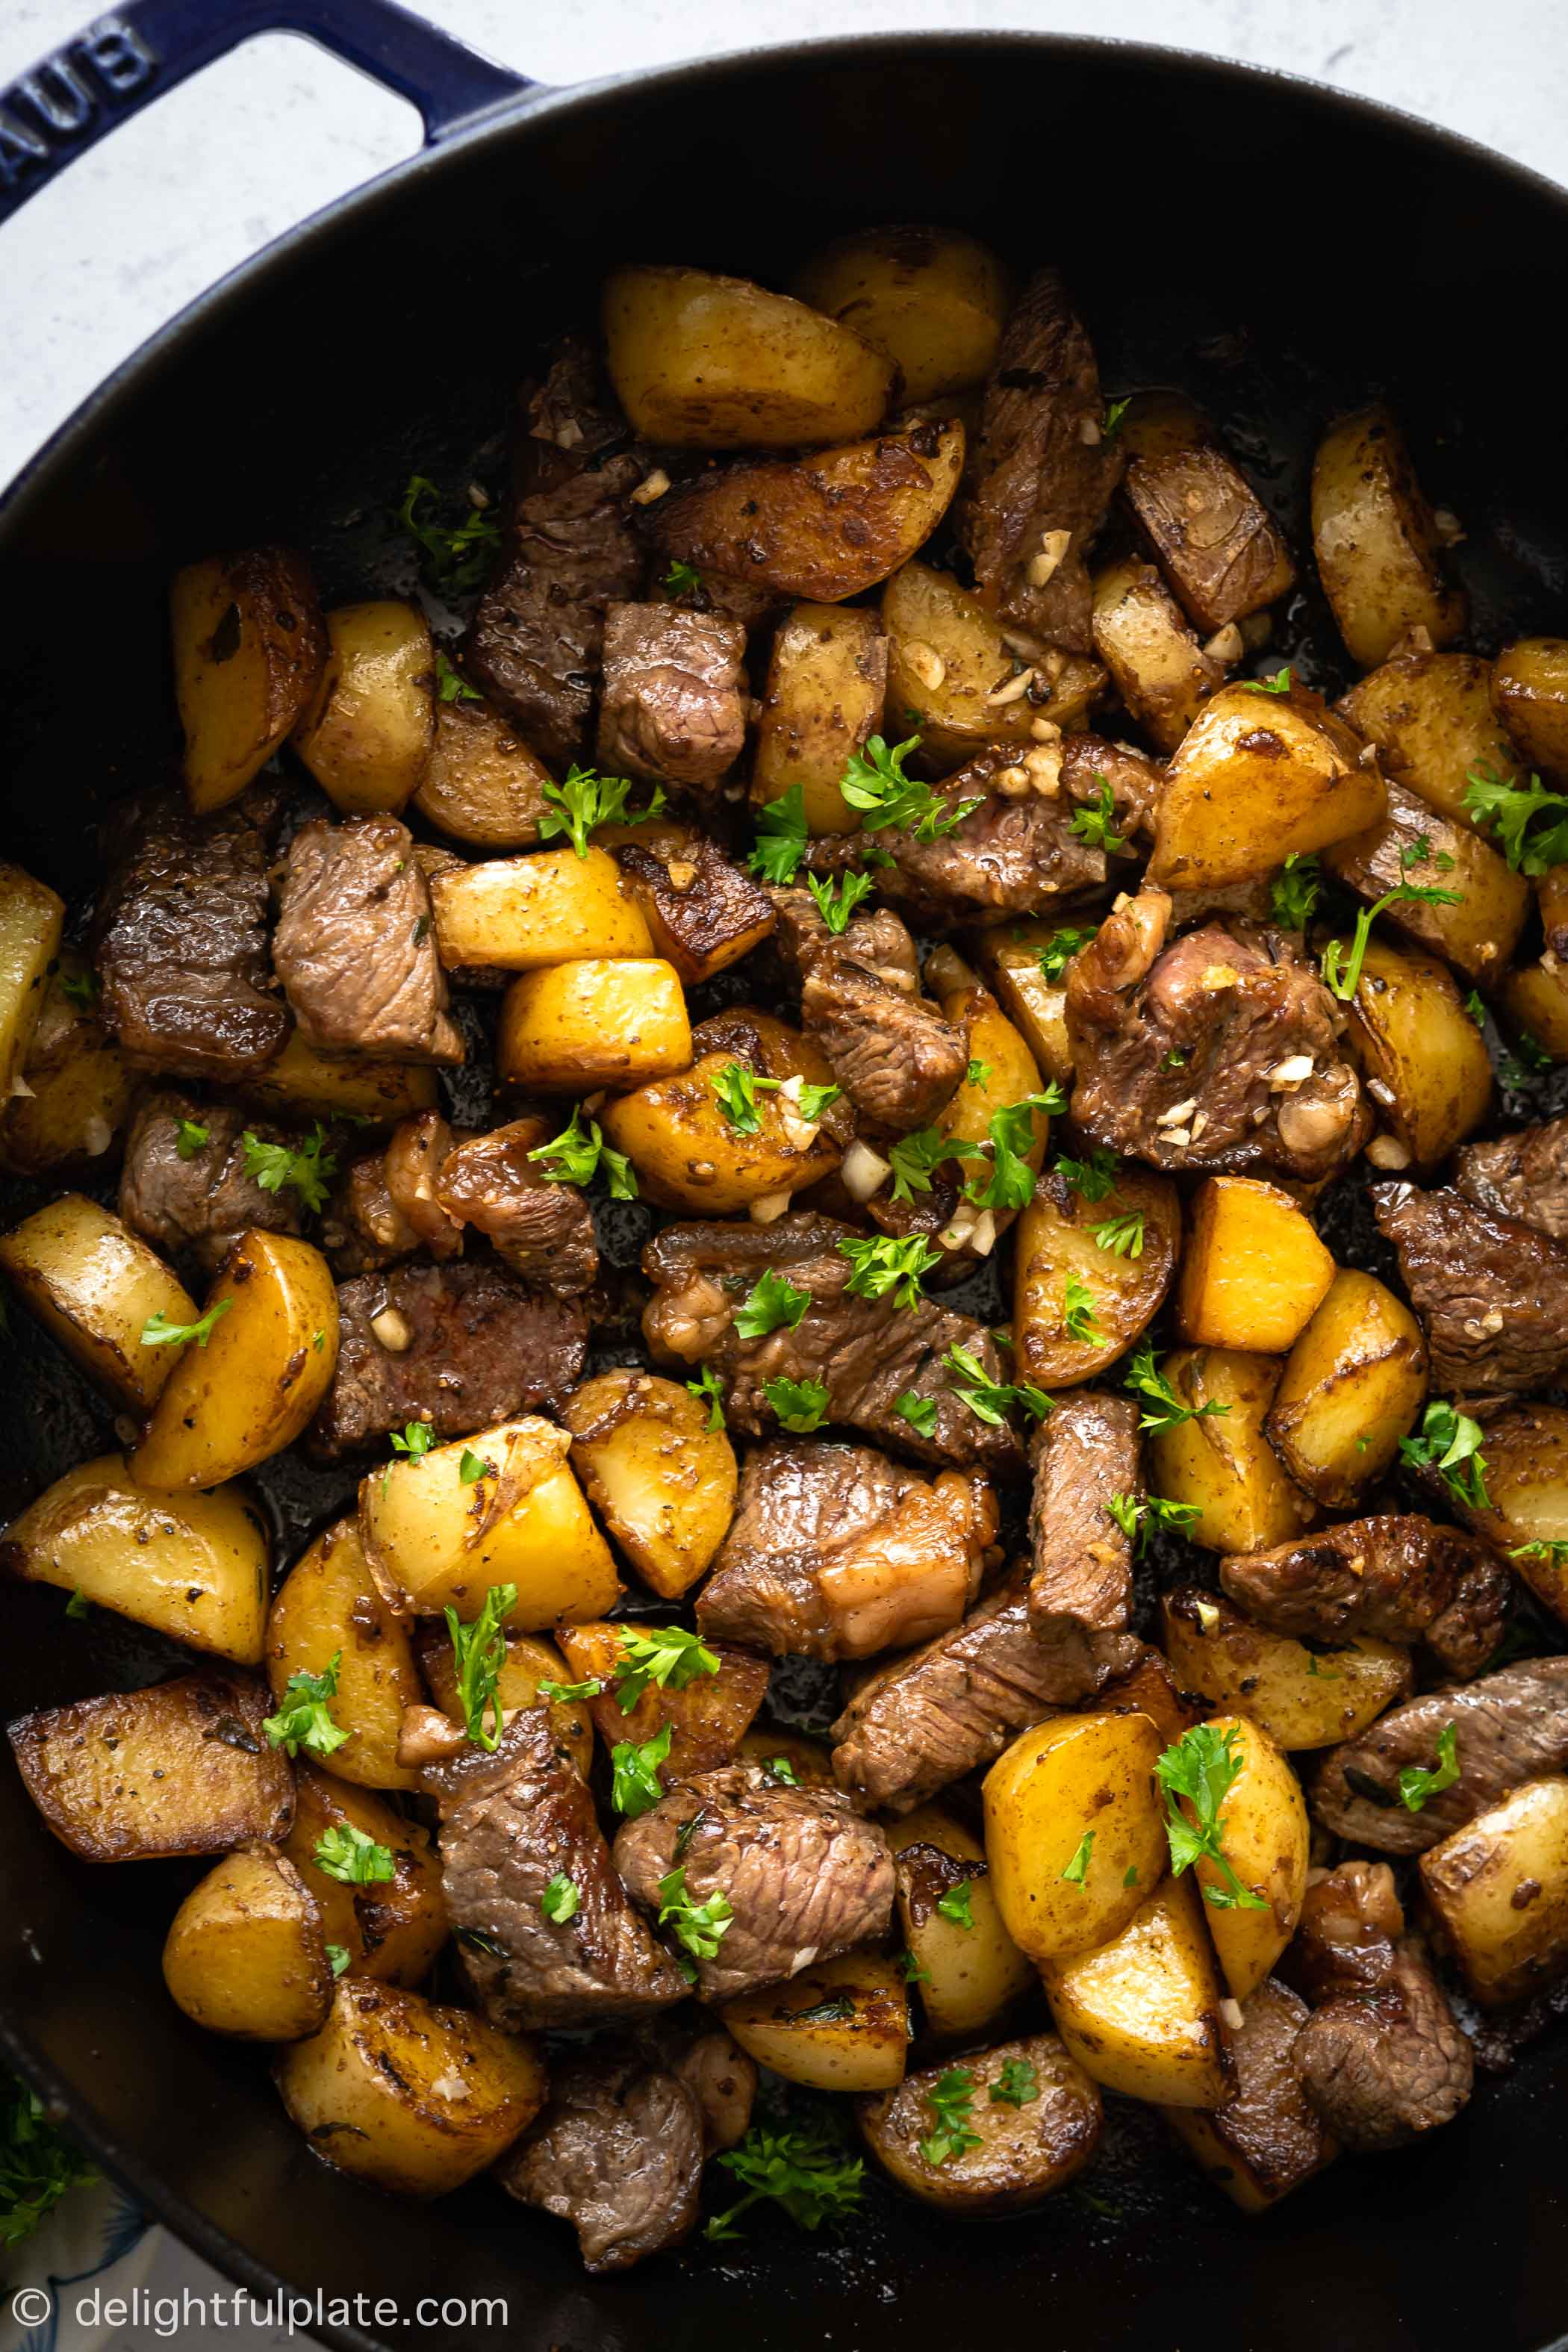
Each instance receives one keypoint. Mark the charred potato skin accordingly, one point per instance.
(79, 1088)
(1527, 1486)
(971, 1975)
(1431, 720)
(1300, 1697)
(1055, 1239)
(1025, 2152)
(1529, 688)
(1140, 2014)
(367, 734)
(1424, 1062)
(707, 1719)
(1352, 1388)
(1156, 663)
(249, 647)
(1211, 533)
(483, 784)
(1480, 933)
(246, 1954)
(1223, 1461)
(1266, 2140)
(31, 918)
(1075, 1776)
(926, 613)
(863, 2052)
(94, 1287)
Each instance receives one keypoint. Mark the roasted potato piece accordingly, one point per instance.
(1140, 2014)
(1529, 688)
(707, 1718)
(593, 1024)
(702, 912)
(1010, 1074)
(811, 1763)
(328, 1606)
(688, 1154)
(843, 2025)
(659, 1477)
(1075, 1833)
(933, 300)
(1423, 1059)
(1266, 2140)
(701, 361)
(969, 1977)
(827, 678)
(1028, 2145)
(1265, 1840)
(1526, 1455)
(1056, 1244)
(95, 1287)
(367, 732)
(528, 1663)
(1156, 663)
(1220, 1458)
(181, 1767)
(949, 662)
(827, 525)
(1257, 778)
(1302, 1697)
(483, 784)
(515, 914)
(1352, 1388)
(248, 1389)
(1010, 955)
(1480, 932)
(1160, 422)
(1535, 997)
(194, 1567)
(303, 1083)
(249, 651)
(391, 1929)
(1254, 1272)
(1499, 1887)
(246, 1953)
(1431, 718)
(1211, 535)
(31, 915)
(415, 2098)
(1376, 542)
(78, 1086)
(1149, 1688)
(433, 1540)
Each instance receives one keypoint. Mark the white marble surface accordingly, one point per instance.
(220, 166)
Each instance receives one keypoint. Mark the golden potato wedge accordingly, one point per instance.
(1075, 1832)
(483, 784)
(328, 1607)
(1010, 1073)
(1160, 422)
(95, 1287)
(246, 1953)
(1057, 1243)
(1254, 1272)
(1526, 1455)
(661, 1480)
(1140, 2014)
(1499, 1887)
(707, 1718)
(516, 914)
(1376, 542)
(415, 2098)
(249, 647)
(1213, 536)
(1266, 2139)
(1431, 718)
(701, 361)
(433, 1540)
(367, 731)
(1258, 777)
(689, 1153)
(1423, 1059)
(1529, 688)
(1480, 930)
(78, 1085)
(249, 1389)
(827, 679)
(1023, 962)
(1535, 997)
(392, 1928)
(592, 1023)
(1353, 1386)
(811, 1763)
(953, 677)
(196, 1567)
(1302, 1697)
(1220, 1459)
(528, 1663)
(843, 2025)
(1156, 663)
(305, 1084)
(31, 915)
(1035, 2114)
(969, 1976)
(183, 1767)
(1264, 1837)
(933, 300)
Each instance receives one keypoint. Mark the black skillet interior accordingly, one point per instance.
(1279, 252)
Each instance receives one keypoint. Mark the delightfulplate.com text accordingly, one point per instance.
(167, 2315)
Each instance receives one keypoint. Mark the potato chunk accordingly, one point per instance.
(481, 784)
(827, 678)
(392, 1928)
(1211, 535)
(516, 914)
(949, 661)
(702, 362)
(688, 1154)
(1075, 1834)
(367, 733)
(528, 1663)
(1535, 996)
(933, 300)
(1028, 2145)
(1302, 1697)
(707, 1718)
(1480, 930)
(1140, 2014)
(328, 1606)
(305, 1084)
(1527, 1483)
(594, 1023)
(1426, 1061)
(969, 1977)
(246, 1953)
(1266, 2140)
(843, 2025)
(1257, 778)
(1254, 1272)
(661, 1480)
(1376, 542)
(415, 2098)
(79, 1086)
(1220, 1459)
(1529, 686)
(1156, 663)
(1499, 1887)
(1264, 1839)
(31, 915)
(94, 1287)
(1431, 718)
(1010, 954)
(1057, 1243)
(1352, 1388)
(249, 647)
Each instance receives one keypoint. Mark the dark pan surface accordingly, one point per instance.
(1279, 253)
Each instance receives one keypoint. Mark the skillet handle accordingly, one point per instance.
(122, 61)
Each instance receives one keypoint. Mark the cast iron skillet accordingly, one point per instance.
(1280, 250)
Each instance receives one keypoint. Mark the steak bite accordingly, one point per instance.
(1266, 2138)
(867, 1352)
(200, 1200)
(1350, 1921)
(836, 1552)
(180, 941)
(355, 945)
(1219, 1050)
(1081, 1585)
(1042, 473)
(1398, 1577)
(1523, 1176)
(1492, 1294)
(803, 1875)
(889, 1047)
(673, 709)
(721, 2077)
(544, 1231)
(1509, 1727)
(462, 1346)
(617, 2153)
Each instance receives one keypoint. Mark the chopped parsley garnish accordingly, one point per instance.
(1077, 1868)
(1476, 1009)
(1450, 1442)
(473, 1467)
(1511, 810)
(351, 1857)
(875, 782)
(451, 685)
(587, 800)
(306, 1170)
(1279, 684)
(635, 1786)
(1163, 1408)
(1201, 1767)
(814, 1101)
(159, 1332)
(667, 1655)
(780, 1769)
(561, 1901)
(1417, 1783)
(79, 988)
(1094, 824)
(699, 1928)
(950, 2101)
(771, 1304)
(575, 1158)
(913, 1157)
(568, 1694)
(416, 1439)
(835, 902)
(1137, 1520)
(1011, 1181)
(453, 559)
(1526, 1062)
(782, 834)
(1554, 1554)
(910, 1968)
(1093, 1178)
(735, 1088)
(1110, 426)
(806, 2172)
(885, 1265)
(37, 2164)
(1079, 1322)
(977, 1074)
(681, 580)
(918, 1412)
(1019, 2084)
(709, 1389)
(955, 1905)
(1295, 890)
(339, 1957)
(304, 1717)
(990, 1400)
(1060, 948)
(1122, 1237)
(79, 1606)
(478, 1653)
(801, 1405)
(1341, 972)
(190, 1137)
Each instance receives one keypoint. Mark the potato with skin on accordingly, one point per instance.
(1221, 1460)
(249, 647)
(1140, 2014)
(1146, 642)
(1266, 2139)
(827, 681)
(580, 1025)
(267, 1361)
(528, 1663)
(31, 916)
(1500, 1889)
(1376, 542)
(1431, 718)
(94, 1287)
(246, 1953)
(1056, 1244)
(811, 1763)
(183, 1767)
(1149, 1687)
(1075, 1795)
(1027, 2147)
(305, 1084)
(703, 362)
(1161, 423)
(483, 784)
(407, 2095)
(968, 1976)
(1211, 535)
(1254, 1272)
(392, 1928)
(662, 1481)
(1301, 1698)
(1258, 777)
(1009, 955)
(949, 661)
(1265, 1837)
(517, 914)
(1418, 845)
(328, 1606)
(196, 1567)
(1526, 1453)
(1424, 1060)
(1529, 688)
(80, 1087)
(842, 2025)
(703, 911)
(707, 1717)
(1535, 998)
(688, 1154)
(933, 300)
(1353, 1386)
(367, 731)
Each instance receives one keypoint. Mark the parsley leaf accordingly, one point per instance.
(351, 1857)
(1094, 824)
(978, 1074)
(561, 1901)
(1295, 890)
(478, 1653)
(1450, 1442)
(1526, 1062)
(1019, 2085)
(1511, 810)
(806, 2172)
(79, 1606)
(955, 1905)
(918, 1412)
(1417, 1783)
(781, 838)
(801, 1405)
(735, 1086)
(874, 781)
(837, 902)
(1341, 972)
(1476, 1009)
(1163, 1408)
(910, 1968)
(708, 1389)
(415, 1438)
(453, 559)
(37, 2163)
(303, 1718)
(1060, 948)
(306, 1170)
(1013, 1132)
(450, 684)
(884, 1264)
(814, 1101)
(159, 1332)
(577, 1158)
(913, 1157)
(1124, 1236)
(1279, 684)
(1554, 1554)
(771, 1304)
(667, 1655)
(681, 580)
(1110, 426)
(1093, 1178)
(635, 1786)
(587, 800)
(1079, 1322)
(340, 1956)
(951, 2102)
(990, 1400)
(473, 1467)
(699, 1928)
(567, 1693)
(1201, 1767)
(1077, 1866)
(1138, 1520)
(190, 1137)
(780, 1769)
